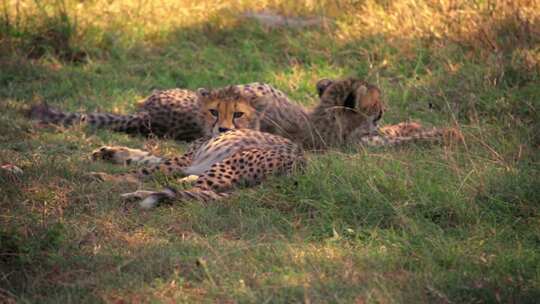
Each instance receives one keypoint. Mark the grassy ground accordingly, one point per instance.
(419, 224)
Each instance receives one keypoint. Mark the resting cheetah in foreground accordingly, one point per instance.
(175, 113)
(218, 165)
(348, 114)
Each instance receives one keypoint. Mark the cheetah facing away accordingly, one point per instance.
(348, 114)
(175, 113)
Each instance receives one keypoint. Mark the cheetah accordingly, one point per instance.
(220, 164)
(347, 114)
(174, 113)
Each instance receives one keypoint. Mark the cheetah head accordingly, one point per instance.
(352, 104)
(226, 109)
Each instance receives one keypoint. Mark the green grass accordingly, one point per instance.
(444, 224)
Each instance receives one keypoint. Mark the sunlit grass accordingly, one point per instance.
(449, 224)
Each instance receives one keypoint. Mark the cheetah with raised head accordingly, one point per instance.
(174, 113)
(347, 114)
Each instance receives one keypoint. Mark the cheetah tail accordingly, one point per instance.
(44, 113)
(135, 123)
(132, 123)
(169, 193)
(444, 135)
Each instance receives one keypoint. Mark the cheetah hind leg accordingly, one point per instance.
(149, 199)
(415, 131)
(440, 135)
(249, 166)
(401, 129)
(125, 155)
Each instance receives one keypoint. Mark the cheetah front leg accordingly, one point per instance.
(249, 167)
(172, 166)
(125, 156)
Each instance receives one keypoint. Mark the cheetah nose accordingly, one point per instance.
(221, 130)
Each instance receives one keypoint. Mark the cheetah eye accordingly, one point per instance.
(214, 113)
(238, 114)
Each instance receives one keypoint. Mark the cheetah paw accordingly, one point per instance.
(110, 154)
(150, 199)
(125, 156)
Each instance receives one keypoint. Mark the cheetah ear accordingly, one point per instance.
(361, 91)
(203, 92)
(322, 85)
(355, 99)
(369, 100)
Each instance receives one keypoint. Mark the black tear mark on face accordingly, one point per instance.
(214, 112)
(350, 101)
